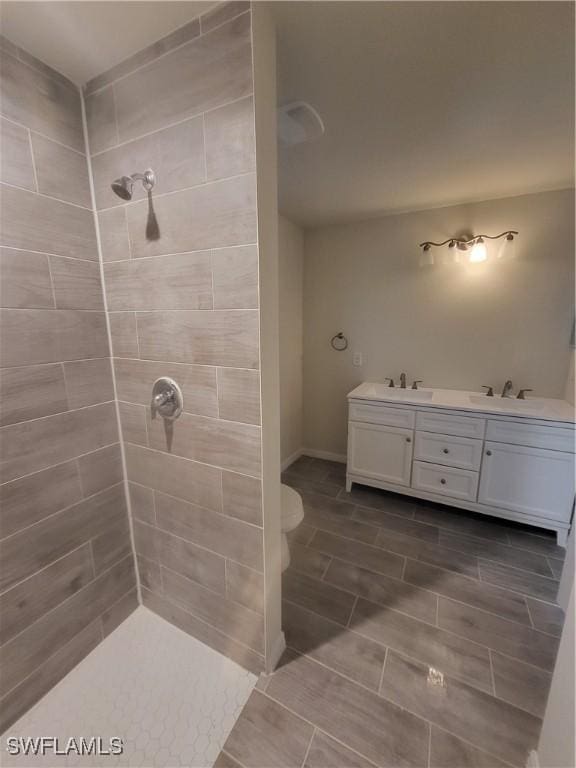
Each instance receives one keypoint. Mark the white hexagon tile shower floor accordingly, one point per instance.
(170, 698)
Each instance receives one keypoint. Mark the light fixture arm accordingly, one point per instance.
(509, 234)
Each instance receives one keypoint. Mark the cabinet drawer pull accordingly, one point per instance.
(443, 481)
(446, 450)
(488, 453)
(408, 439)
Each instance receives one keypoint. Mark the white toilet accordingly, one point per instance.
(291, 515)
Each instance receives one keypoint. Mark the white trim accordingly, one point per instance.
(291, 459)
(533, 761)
(328, 455)
(109, 337)
(276, 654)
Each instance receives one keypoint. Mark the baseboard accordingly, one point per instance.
(277, 651)
(533, 761)
(291, 459)
(328, 455)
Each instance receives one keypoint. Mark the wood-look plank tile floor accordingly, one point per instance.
(417, 635)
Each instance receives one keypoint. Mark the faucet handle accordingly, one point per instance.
(521, 394)
(415, 383)
(390, 380)
(490, 392)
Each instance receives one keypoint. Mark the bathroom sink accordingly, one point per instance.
(506, 403)
(397, 393)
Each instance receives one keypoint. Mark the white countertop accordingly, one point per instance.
(533, 407)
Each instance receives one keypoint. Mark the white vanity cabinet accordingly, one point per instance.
(381, 453)
(528, 480)
(514, 467)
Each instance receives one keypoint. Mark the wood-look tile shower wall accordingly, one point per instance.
(183, 302)
(66, 566)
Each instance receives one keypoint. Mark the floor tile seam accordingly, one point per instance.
(496, 650)
(490, 754)
(362, 597)
(463, 682)
(467, 535)
(484, 610)
(403, 708)
(529, 613)
(382, 671)
(383, 549)
(325, 571)
(535, 667)
(488, 561)
(507, 701)
(517, 592)
(303, 763)
(425, 663)
(431, 591)
(354, 682)
(499, 616)
(492, 677)
(364, 636)
(505, 542)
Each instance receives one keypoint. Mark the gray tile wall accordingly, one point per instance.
(184, 303)
(66, 567)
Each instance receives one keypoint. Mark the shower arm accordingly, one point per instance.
(147, 178)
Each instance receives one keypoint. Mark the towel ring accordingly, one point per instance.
(339, 342)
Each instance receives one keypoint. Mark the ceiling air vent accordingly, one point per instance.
(299, 122)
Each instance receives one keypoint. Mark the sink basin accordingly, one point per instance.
(506, 403)
(396, 393)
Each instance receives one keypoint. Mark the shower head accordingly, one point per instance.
(124, 186)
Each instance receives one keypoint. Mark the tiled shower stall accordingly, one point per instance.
(101, 503)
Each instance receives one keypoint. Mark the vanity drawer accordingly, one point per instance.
(446, 481)
(531, 435)
(382, 414)
(446, 424)
(461, 452)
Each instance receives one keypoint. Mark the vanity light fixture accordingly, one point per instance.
(474, 247)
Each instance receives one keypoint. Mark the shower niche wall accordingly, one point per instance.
(101, 499)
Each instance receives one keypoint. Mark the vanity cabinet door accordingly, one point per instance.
(379, 452)
(535, 481)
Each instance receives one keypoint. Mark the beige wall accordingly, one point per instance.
(291, 253)
(66, 567)
(570, 379)
(556, 748)
(184, 302)
(454, 326)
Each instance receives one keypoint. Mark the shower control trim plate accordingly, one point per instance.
(167, 399)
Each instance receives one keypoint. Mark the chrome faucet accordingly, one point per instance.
(507, 389)
(403, 380)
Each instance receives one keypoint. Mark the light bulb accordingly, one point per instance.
(478, 252)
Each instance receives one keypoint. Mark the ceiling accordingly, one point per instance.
(425, 104)
(84, 39)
